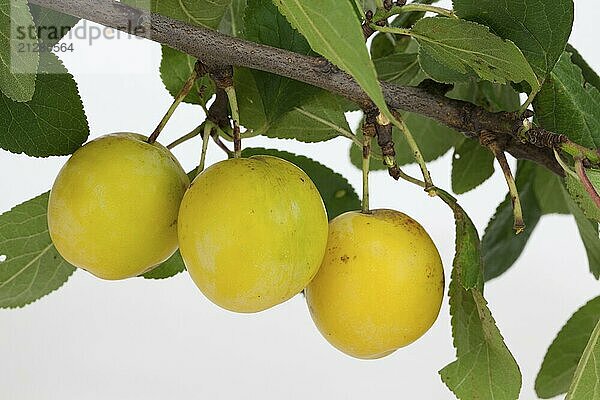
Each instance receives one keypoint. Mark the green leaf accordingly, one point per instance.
(439, 72)
(500, 245)
(589, 75)
(564, 353)
(53, 123)
(484, 368)
(586, 382)
(264, 24)
(52, 25)
(168, 269)
(467, 264)
(540, 28)
(17, 68)
(567, 105)
(492, 97)
(588, 230)
(338, 195)
(232, 22)
(582, 197)
(548, 189)
(472, 165)
(333, 30)
(32, 268)
(433, 138)
(400, 68)
(319, 119)
(469, 48)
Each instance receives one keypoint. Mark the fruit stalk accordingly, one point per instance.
(235, 116)
(208, 131)
(186, 137)
(185, 90)
(368, 133)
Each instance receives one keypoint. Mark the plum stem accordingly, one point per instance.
(368, 134)
(185, 90)
(209, 129)
(235, 116)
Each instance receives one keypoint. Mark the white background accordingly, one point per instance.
(142, 339)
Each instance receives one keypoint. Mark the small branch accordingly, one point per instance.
(185, 90)
(214, 48)
(585, 180)
(490, 142)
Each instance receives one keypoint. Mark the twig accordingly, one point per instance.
(214, 48)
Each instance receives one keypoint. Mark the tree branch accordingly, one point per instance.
(214, 48)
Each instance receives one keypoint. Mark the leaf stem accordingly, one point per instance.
(585, 181)
(340, 130)
(398, 31)
(578, 151)
(529, 100)
(564, 165)
(382, 14)
(519, 223)
(398, 121)
(235, 116)
(185, 90)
